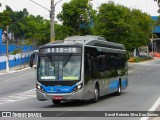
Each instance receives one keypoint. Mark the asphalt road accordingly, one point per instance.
(17, 93)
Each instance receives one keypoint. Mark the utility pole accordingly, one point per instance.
(89, 2)
(7, 54)
(52, 14)
(152, 42)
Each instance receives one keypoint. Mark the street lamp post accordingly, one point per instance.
(52, 15)
(53, 19)
(7, 54)
(152, 42)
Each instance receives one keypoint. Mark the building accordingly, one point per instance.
(155, 42)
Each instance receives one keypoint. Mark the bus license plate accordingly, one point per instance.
(57, 98)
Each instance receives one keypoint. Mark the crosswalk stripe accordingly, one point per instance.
(18, 97)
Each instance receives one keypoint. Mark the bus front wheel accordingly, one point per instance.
(96, 94)
(56, 101)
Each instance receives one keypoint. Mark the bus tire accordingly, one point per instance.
(96, 94)
(119, 88)
(56, 102)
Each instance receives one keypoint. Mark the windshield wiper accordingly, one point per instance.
(68, 58)
(51, 60)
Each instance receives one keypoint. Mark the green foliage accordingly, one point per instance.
(36, 30)
(4, 19)
(30, 29)
(16, 51)
(61, 32)
(141, 59)
(75, 16)
(114, 22)
(120, 24)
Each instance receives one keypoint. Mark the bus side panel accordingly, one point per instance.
(88, 83)
(94, 72)
(124, 83)
(124, 72)
(107, 69)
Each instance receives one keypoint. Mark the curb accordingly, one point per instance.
(15, 71)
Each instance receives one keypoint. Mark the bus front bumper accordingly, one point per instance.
(79, 95)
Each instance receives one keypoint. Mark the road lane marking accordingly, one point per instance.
(15, 71)
(18, 97)
(153, 108)
(19, 76)
(63, 113)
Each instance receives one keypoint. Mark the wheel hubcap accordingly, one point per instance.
(119, 89)
(96, 94)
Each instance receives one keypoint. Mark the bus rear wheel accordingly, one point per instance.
(119, 89)
(56, 102)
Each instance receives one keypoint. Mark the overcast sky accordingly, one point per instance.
(148, 6)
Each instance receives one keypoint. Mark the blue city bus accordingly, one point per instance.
(80, 68)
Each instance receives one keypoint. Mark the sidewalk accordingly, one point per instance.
(15, 69)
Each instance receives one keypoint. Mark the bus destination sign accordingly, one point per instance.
(60, 50)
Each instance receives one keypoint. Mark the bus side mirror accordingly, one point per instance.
(32, 58)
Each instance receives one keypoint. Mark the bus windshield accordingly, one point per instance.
(59, 67)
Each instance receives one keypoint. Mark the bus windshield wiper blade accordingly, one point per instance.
(68, 58)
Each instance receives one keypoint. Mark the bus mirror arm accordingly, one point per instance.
(31, 60)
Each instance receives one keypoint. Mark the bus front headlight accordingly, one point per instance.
(78, 87)
(38, 87)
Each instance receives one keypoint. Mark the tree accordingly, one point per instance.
(61, 31)
(36, 30)
(141, 29)
(76, 16)
(33, 29)
(120, 24)
(12, 19)
(5, 18)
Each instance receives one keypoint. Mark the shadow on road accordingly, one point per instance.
(81, 103)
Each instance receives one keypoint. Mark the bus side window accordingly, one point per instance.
(114, 61)
(88, 64)
(107, 62)
(95, 63)
(103, 63)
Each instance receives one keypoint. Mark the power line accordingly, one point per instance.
(52, 16)
(40, 5)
